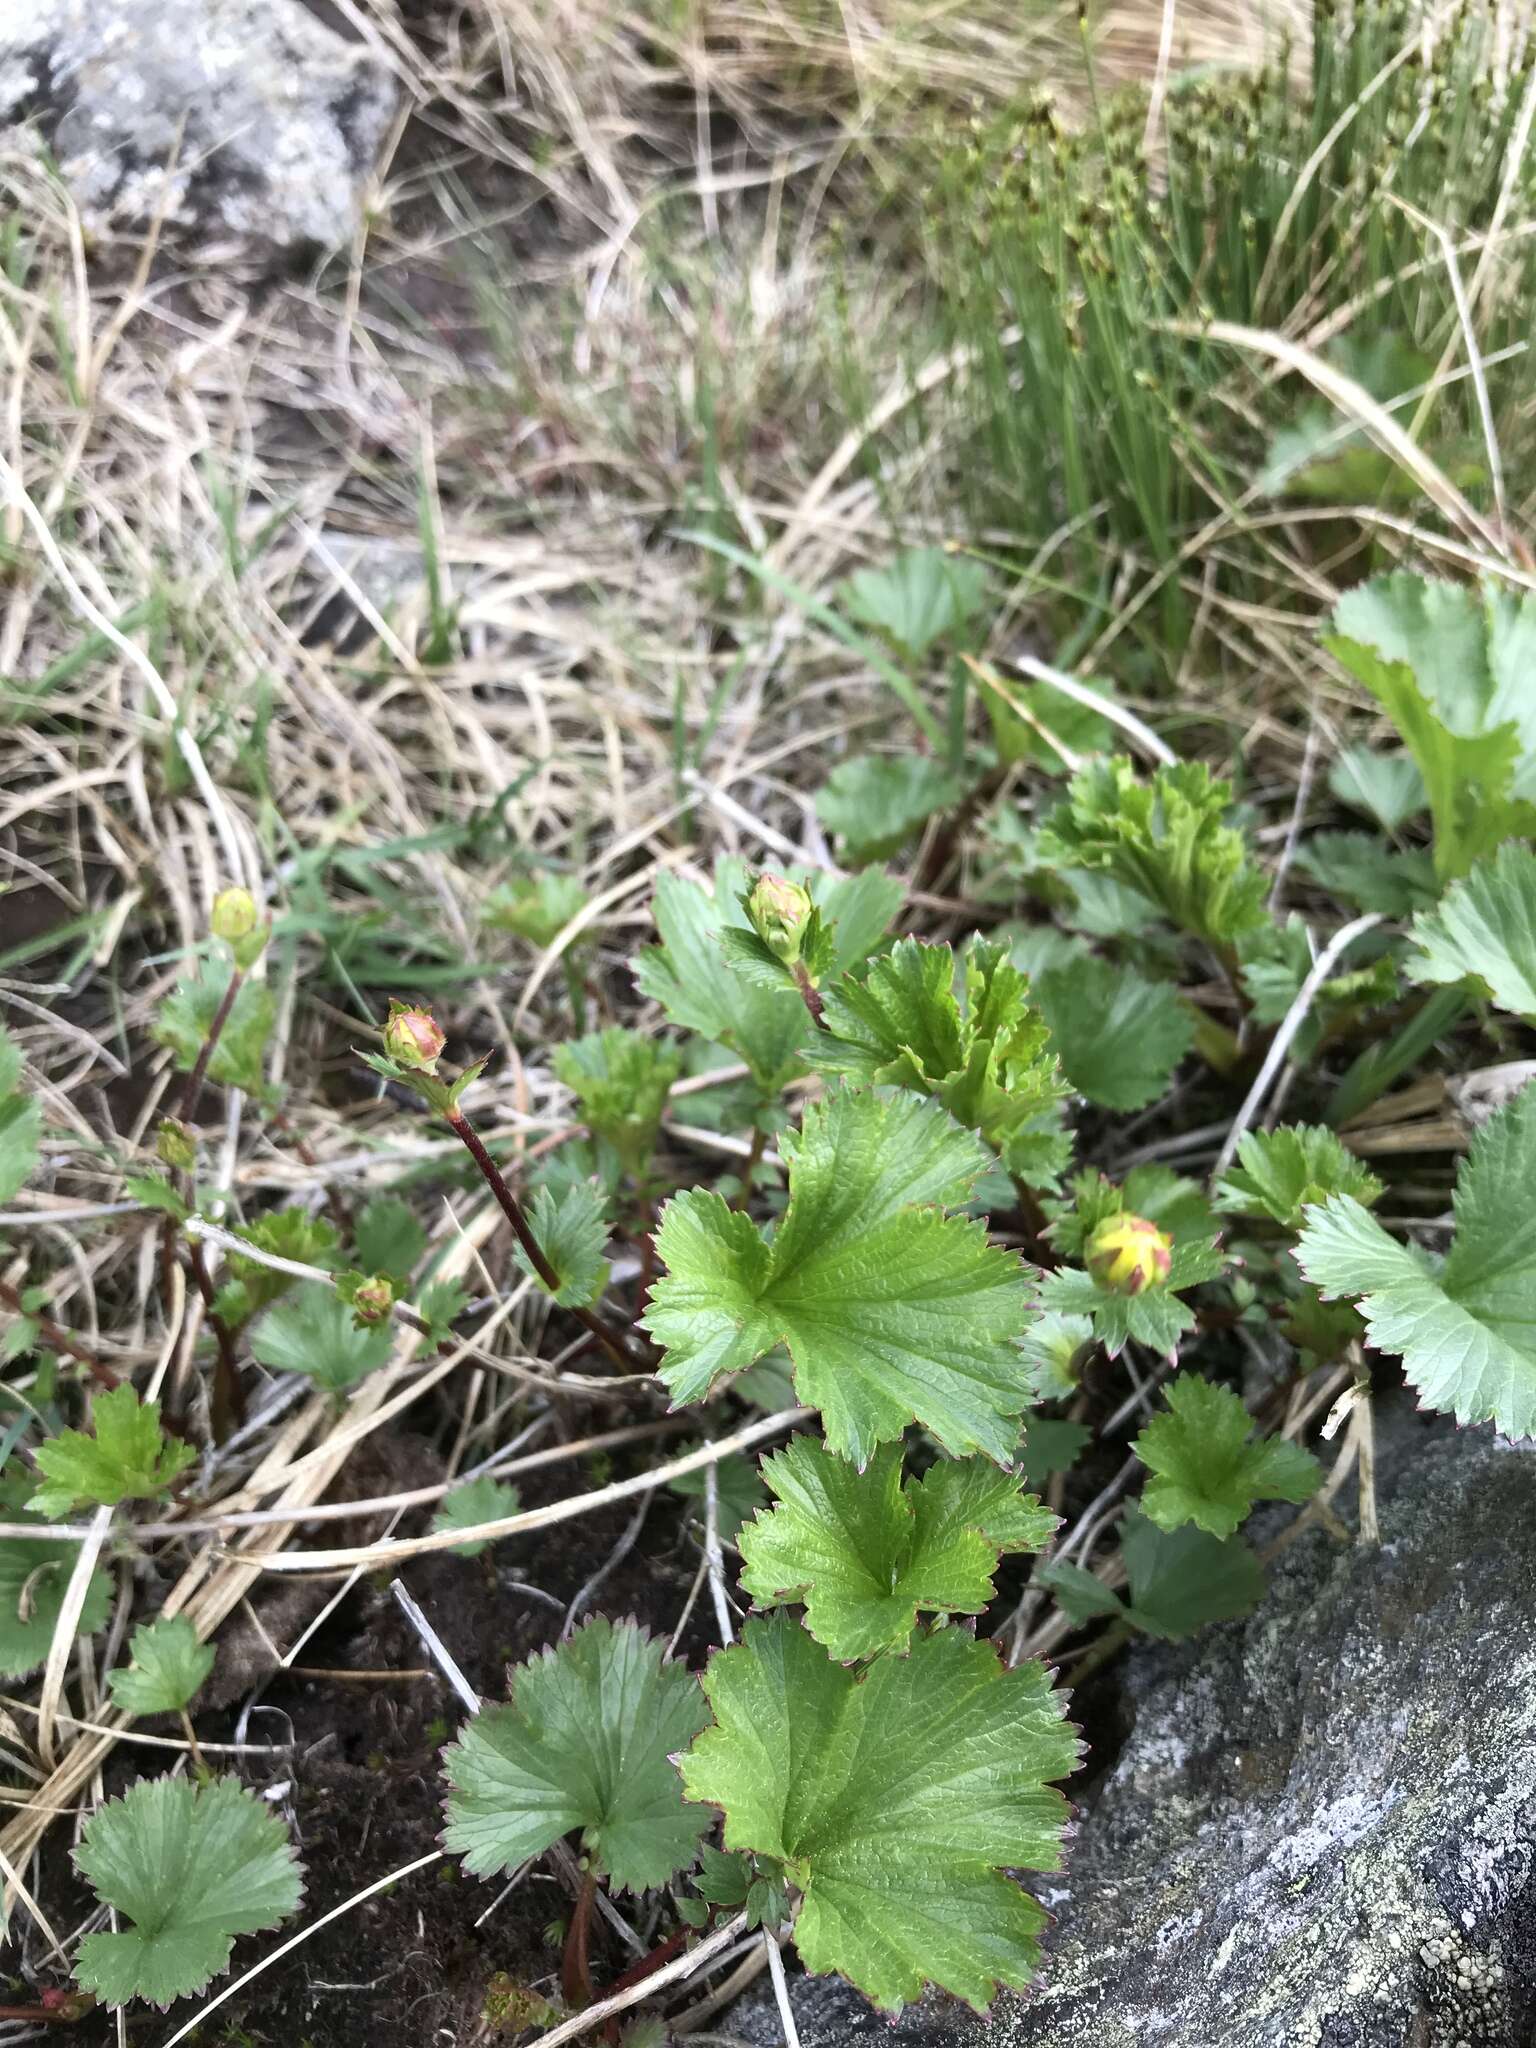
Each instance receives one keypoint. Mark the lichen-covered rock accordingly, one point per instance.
(273, 121)
(1321, 1832)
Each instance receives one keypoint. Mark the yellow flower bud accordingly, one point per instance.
(1127, 1253)
(234, 915)
(373, 1299)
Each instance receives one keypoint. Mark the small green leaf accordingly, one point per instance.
(1464, 1332)
(892, 1309)
(1207, 1466)
(1364, 871)
(485, 1499)
(128, 1457)
(1386, 787)
(865, 1552)
(440, 1304)
(922, 596)
(1281, 1172)
(1165, 837)
(186, 1017)
(152, 1189)
(1051, 1445)
(312, 1331)
(1484, 931)
(1180, 1580)
(34, 1578)
(875, 803)
(895, 1801)
(571, 1230)
(901, 1023)
(739, 1492)
(286, 1234)
(689, 975)
(586, 1742)
(389, 1240)
(21, 1123)
(1053, 1349)
(1118, 1037)
(191, 1868)
(620, 1079)
(536, 907)
(169, 1666)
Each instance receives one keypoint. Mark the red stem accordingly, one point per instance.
(512, 1209)
(58, 1338)
(199, 1072)
(575, 1967)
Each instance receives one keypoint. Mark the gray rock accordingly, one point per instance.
(1321, 1832)
(273, 119)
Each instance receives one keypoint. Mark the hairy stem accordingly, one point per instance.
(512, 1209)
(808, 992)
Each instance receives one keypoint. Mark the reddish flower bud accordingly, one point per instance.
(413, 1037)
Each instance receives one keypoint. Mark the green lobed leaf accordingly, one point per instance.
(896, 1801)
(571, 1229)
(1179, 1581)
(484, 1499)
(312, 1331)
(34, 1578)
(287, 1234)
(921, 596)
(126, 1457)
(1466, 1332)
(1118, 1036)
(1484, 931)
(892, 1309)
(1051, 1444)
(1183, 1579)
(1386, 787)
(620, 1079)
(1281, 1172)
(1451, 667)
(21, 1123)
(1166, 837)
(1208, 1468)
(170, 1664)
(389, 1240)
(1365, 871)
(186, 1017)
(586, 1742)
(536, 907)
(901, 1022)
(191, 1867)
(865, 1552)
(690, 977)
(1053, 1350)
(874, 803)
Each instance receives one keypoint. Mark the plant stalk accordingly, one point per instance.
(59, 1338)
(512, 1209)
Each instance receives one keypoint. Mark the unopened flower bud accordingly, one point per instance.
(238, 922)
(174, 1145)
(780, 911)
(234, 915)
(414, 1038)
(373, 1299)
(1127, 1253)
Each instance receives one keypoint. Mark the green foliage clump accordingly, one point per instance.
(127, 1456)
(1167, 837)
